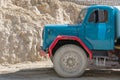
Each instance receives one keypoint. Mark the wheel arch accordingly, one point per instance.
(62, 40)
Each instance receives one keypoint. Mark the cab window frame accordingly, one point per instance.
(95, 16)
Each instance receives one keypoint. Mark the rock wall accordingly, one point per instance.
(21, 23)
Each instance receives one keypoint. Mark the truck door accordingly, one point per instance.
(97, 29)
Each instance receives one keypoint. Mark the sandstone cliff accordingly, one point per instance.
(21, 23)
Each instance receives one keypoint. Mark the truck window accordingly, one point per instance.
(99, 16)
(82, 15)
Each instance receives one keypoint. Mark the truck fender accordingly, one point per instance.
(58, 38)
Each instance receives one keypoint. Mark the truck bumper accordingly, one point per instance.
(42, 52)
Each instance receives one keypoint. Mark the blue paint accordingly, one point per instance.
(52, 31)
(117, 21)
(96, 36)
(101, 31)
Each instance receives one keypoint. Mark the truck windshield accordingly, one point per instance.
(81, 15)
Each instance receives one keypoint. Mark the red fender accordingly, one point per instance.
(69, 38)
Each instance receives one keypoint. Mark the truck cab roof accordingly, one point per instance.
(100, 6)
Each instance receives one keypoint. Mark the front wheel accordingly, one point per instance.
(70, 61)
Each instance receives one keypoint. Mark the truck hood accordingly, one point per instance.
(58, 29)
(51, 31)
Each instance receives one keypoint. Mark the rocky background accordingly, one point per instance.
(21, 23)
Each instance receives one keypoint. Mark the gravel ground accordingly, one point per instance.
(44, 71)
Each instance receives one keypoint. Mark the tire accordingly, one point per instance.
(70, 61)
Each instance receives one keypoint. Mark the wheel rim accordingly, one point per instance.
(70, 61)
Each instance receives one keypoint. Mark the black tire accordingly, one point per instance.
(70, 61)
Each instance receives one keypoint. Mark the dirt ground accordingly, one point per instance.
(44, 71)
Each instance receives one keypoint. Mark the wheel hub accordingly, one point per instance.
(70, 62)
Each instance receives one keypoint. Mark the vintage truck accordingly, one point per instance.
(95, 38)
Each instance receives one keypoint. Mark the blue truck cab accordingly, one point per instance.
(70, 46)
